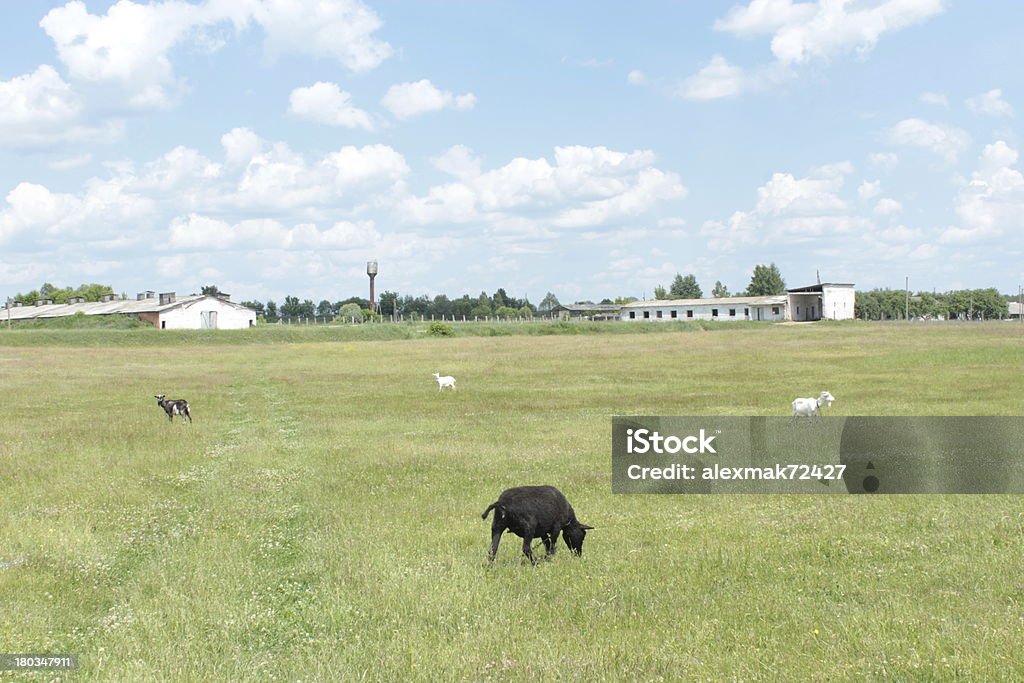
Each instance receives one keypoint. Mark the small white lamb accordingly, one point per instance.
(442, 382)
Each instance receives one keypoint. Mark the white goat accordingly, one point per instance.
(442, 382)
(811, 407)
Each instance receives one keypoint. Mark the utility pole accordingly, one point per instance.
(9, 304)
(906, 305)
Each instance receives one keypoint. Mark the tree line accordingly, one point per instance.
(961, 304)
(61, 295)
(765, 281)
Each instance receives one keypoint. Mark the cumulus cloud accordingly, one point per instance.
(991, 103)
(328, 104)
(869, 190)
(41, 109)
(946, 142)
(717, 79)
(407, 100)
(130, 45)
(801, 32)
(887, 206)
(804, 31)
(991, 203)
(636, 77)
(584, 186)
(198, 232)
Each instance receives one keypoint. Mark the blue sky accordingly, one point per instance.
(594, 150)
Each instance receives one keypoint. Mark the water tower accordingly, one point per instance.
(371, 270)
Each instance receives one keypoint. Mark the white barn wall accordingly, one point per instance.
(190, 316)
(837, 303)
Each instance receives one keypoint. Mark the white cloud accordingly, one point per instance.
(103, 209)
(339, 29)
(804, 31)
(717, 79)
(407, 100)
(636, 77)
(935, 98)
(887, 207)
(198, 232)
(801, 32)
(130, 45)
(41, 109)
(869, 190)
(458, 161)
(240, 145)
(991, 203)
(884, 160)
(991, 103)
(328, 104)
(946, 142)
(584, 186)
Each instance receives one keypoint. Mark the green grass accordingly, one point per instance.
(320, 519)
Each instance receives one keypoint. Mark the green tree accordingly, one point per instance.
(388, 302)
(256, 306)
(685, 287)
(766, 281)
(210, 290)
(325, 309)
(350, 311)
(548, 303)
(272, 313)
(660, 293)
(720, 291)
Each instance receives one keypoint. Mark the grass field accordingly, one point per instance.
(320, 520)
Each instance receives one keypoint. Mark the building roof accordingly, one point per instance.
(819, 287)
(118, 306)
(723, 301)
(585, 308)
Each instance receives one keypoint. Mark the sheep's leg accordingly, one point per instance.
(551, 545)
(527, 542)
(496, 532)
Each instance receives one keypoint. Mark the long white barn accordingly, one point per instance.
(166, 311)
(827, 301)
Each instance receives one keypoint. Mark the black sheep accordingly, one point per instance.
(532, 512)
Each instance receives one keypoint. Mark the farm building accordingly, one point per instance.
(828, 301)
(166, 311)
(587, 311)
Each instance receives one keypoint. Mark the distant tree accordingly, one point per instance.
(350, 311)
(507, 312)
(685, 287)
(325, 309)
(607, 302)
(210, 290)
(625, 299)
(548, 303)
(91, 292)
(499, 299)
(720, 291)
(441, 306)
(462, 307)
(660, 292)
(272, 313)
(256, 306)
(766, 281)
(388, 302)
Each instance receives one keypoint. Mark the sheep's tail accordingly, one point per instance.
(488, 510)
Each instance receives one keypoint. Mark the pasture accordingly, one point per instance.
(320, 519)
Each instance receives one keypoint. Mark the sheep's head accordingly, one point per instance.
(437, 375)
(826, 398)
(574, 533)
(160, 397)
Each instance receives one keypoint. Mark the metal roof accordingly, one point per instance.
(118, 306)
(723, 301)
(819, 287)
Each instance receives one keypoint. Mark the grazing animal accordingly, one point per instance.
(178, 406)
(442, 382)
(535, 511)
(811, 407)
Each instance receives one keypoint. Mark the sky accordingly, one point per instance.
(593, 150)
